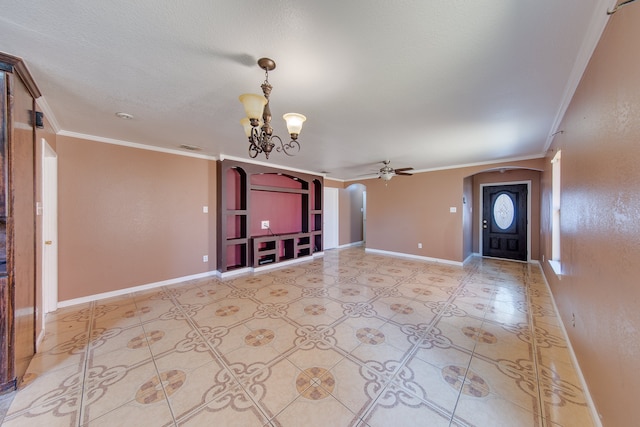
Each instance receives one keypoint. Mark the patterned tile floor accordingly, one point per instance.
(350, 339)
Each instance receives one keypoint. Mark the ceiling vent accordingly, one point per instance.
(190, 147)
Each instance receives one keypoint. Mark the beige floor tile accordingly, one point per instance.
(431, 385)
(326, 411)
(454, 327)
(438, 350)
(492, 411)
(111, 383)
(403, 415)
(136, 414)
(350, 339)
(306, 358)
(55, 394)
(52, 361)
(233, 414)
(202, 385)
(512, 380)
(496, 342)
(275, 386)
(353, 331)
(185, 357)
(352, 384)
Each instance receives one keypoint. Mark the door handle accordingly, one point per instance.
(484, 223)
(48, 242)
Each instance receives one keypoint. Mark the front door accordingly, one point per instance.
(504, 221)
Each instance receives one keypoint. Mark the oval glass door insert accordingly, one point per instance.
(503, 211)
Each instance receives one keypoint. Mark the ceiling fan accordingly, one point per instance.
(387, 172)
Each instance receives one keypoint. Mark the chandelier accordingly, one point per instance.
(257, 124)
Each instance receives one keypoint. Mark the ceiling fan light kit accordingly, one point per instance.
(387, 172)
(257, 123)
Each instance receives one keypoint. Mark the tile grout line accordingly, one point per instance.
(155, 365)
(81, 413)
(463, 284)
(534, 344)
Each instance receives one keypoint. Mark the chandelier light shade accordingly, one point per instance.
(257, 123)
(253, 105)
(294, 123)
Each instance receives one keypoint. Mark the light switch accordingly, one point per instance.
(453, 209)
(205, 209)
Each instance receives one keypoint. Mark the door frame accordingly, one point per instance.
(49, 229)
(481, 210)
(330, 215)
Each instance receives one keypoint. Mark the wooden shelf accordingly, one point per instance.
(281, 247)
(279, 189)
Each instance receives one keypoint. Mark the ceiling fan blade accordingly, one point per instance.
(402, 169)
(403, 173)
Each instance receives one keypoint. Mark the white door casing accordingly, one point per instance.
(330, 218)
(49, 228)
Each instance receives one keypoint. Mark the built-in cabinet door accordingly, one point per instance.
(23, 212)
(17, 221)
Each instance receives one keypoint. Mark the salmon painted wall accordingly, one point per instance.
(282, 210)
(600, 221)
(351, 218)
(130, 217)
(416, 209)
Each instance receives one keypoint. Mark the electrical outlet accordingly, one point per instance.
(205, 258)
(265, 225)
(419, 245)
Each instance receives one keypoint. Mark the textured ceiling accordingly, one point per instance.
(427, 84)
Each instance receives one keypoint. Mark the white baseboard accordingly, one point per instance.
(592, 407)
(348, 245)
(39, 339)
(119, 292)
(422, 258)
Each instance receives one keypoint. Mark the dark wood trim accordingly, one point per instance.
(16, 81)
(19, 68)
(311, 186)
(279, 189)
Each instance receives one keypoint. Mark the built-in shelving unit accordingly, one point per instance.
(18, 92)
(249, 194)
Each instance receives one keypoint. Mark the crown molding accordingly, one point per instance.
(270, 165)
(48, 114)
(598, 23)
(133, 145)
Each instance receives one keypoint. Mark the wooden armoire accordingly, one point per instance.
(18, 93)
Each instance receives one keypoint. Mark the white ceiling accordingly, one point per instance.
(428, 84)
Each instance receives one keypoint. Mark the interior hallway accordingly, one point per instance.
(350, 339)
